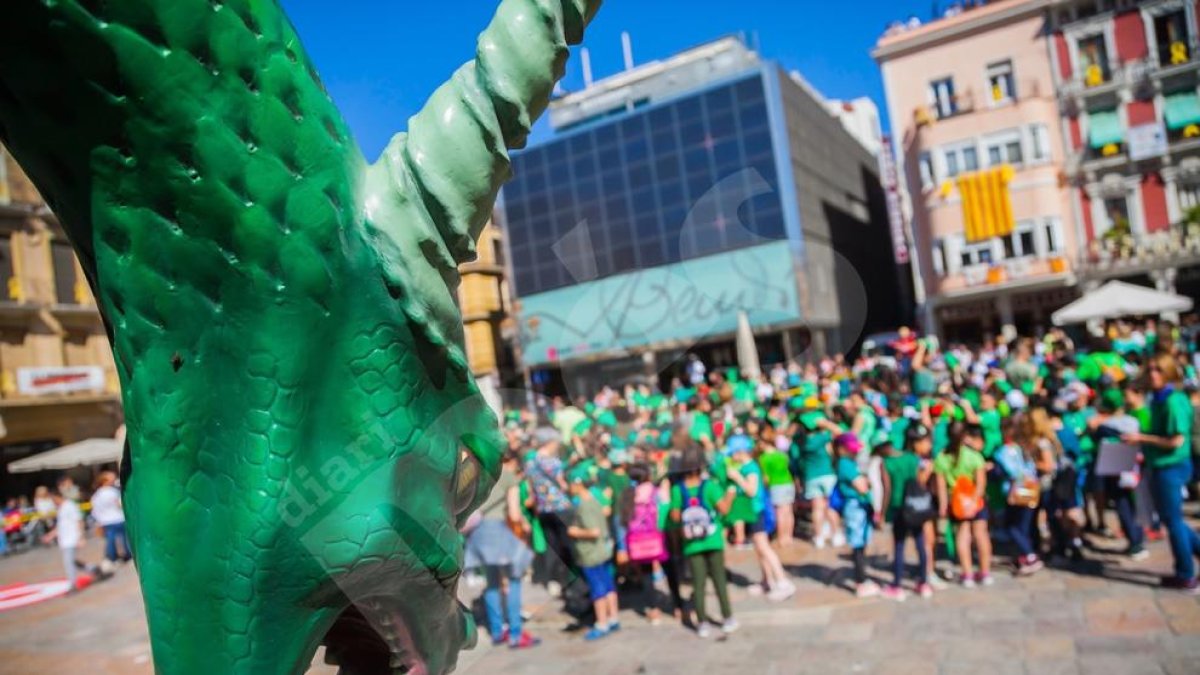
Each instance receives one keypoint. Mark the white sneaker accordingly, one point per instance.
(937, 582)
(867, 589)
(839, 540)
(968, 583)
(820, 543)
(730, 626)
(704, 631)
(782, 592)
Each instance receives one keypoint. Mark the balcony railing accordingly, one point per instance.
(1121, 252)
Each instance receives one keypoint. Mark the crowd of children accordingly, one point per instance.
(951, 449)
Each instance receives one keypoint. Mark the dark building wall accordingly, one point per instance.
(843, 214)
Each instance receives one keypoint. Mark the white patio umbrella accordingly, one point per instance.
(1117, 299)
(88, 452)
(747, 350)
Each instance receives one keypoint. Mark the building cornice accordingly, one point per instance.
(946, 30)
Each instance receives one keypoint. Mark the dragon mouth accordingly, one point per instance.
(378, 635)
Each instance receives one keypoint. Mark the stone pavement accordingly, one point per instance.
(1104, 616)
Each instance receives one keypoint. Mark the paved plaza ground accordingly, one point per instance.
(1103, 616)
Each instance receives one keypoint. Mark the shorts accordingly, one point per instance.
(982, 515)
(819, 487)
(601, 580)
(783, 495)
(758, 525)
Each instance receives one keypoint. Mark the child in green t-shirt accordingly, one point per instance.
(589, 532)
(697, 507)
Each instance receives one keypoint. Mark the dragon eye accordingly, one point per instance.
(466, 481)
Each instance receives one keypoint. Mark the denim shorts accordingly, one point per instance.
(601, 580)
(821, 486)
(783, 495)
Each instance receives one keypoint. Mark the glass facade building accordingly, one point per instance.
(674, 181)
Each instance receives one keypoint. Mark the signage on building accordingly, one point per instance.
(895, 207)
(1147, 141)
(685, 302)
(59, 380)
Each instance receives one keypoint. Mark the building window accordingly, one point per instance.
(1052, 231)
(960, 159)
(928, 177)
(1171, 38)
(939, 258)
(980, 253)
(1189, 196)
(1021, 241)
(1039, 143)
(1093, 60)
(1116, 216)
(941, 94)
(1001, 85)
(1004, 149)
(64, 273)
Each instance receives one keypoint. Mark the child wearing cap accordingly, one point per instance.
(589, 532)
(744, 475)
(855, 490)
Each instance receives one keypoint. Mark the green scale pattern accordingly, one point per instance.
(304, 435)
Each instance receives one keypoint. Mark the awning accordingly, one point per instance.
(1104, 128)
(89, 452)
(1118, 299)
(1182, 109)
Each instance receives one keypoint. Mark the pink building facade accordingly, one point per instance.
(974, 94)
(1128, 77)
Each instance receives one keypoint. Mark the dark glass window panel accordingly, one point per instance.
(650, 253)
(636, 150)
(696, 160)
(663, 142)
(623, 259)
(584, 166)
(643, 201)
(634, 127)
(526, 279)
(688, 110)
(609, 157)
(727, 154)
(719, 101)
(698, 185)
(722, 127)
(639, 175)
(667, 167)
(661, 118)
(692, 134)
(670, 194)
(754, 117)
(612, 183)
(748, 91)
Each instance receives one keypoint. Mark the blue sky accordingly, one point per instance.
(380, 59)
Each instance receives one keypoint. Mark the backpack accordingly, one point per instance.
(643, 540)
(697, 519)
(1064, 484)
(917, 507)
(837, 501)
(964, 503)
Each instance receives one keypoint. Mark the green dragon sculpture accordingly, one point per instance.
(304, 435)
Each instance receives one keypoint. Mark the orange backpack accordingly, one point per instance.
(965, 504)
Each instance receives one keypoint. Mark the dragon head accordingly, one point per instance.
(304, 437)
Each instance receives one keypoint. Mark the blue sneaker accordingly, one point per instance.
(595, 634)
(614, 626)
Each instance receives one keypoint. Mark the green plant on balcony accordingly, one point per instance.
(1120, 229)
(1192, 216)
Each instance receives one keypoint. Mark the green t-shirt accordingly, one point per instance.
(1077, 421)
(708, 497)
(923, 382)
(867, 423)
(818, 463)
(701, 426)
(745, 508)
(900, 469)
(589, 514)
(1142, 415)
(1097, 364)
(940, 436)
(898, 433)
(774, 465)
(1170, 417)
(989, 422)
(847, 472)
(969, 462)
